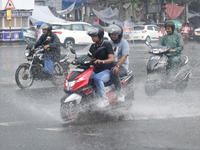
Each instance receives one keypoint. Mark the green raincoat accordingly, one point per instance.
(173, 41)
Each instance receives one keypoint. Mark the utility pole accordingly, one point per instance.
(186, 11)
(147, 11)
(82, 15)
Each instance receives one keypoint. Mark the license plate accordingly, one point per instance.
(155, 58)
(198, 32)
(79, 70)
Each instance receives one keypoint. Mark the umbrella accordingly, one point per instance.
(39, 23)
(178, 24)
(195, 21)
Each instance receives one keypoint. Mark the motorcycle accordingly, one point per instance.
(157, 77)
(26, 73)
(81, 92)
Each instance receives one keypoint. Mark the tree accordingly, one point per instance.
(184, 3)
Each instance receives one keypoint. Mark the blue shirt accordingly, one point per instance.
(120, 49)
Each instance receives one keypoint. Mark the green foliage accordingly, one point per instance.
(139, 2)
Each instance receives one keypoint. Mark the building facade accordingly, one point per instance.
(20, 12)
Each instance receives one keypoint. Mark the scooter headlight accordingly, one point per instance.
(156, 51)
(69, 85)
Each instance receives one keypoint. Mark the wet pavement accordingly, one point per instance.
(30, 118)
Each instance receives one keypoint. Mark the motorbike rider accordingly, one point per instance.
(174, 41)
(51, 48)
(121, 53)
(103, 62)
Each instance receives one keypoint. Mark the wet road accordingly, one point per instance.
(30, 119)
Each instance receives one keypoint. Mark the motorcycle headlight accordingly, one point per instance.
(26, 53)
(69, 85)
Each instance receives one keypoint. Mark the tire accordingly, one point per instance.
(151, 88)
(69, 43)
(22, 75)
(180, 88)
(148, 39)
(69, 111)
(59, 76)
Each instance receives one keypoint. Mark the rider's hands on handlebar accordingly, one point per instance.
(46, 47)
(172, 50)
(98, 61)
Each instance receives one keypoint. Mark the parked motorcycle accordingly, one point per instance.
(157, 73)
(26, 73)
(81, 92)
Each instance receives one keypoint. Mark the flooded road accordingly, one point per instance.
(30, 118)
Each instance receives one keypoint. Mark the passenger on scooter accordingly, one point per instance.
(103, 62)
(51, 48)
(121, 53)
(174, 41)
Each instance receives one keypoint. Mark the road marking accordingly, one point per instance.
(53, 129)
(64, 129)
(10, 123)
(93, 134)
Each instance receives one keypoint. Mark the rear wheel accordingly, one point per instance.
(23, 77)
(58, 76)
(69, 111)
(129, 96)
(69, 43)
(148, 39)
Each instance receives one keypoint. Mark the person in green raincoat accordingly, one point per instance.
(174, 41)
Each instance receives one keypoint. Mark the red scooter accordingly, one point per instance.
(81, 92)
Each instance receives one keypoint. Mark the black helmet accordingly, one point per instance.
(47, 26)
(115, 29)
(96, 30)
(171, 24)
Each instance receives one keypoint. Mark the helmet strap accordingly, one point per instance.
(117, 41)
(99, 42)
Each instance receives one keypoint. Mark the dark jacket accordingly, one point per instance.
(54, 52)
(103, 55)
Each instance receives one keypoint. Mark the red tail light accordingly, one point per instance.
(144, 31)
(59, 32)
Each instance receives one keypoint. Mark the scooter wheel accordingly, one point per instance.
(150, 89)
(69, 111)
(180, 88)
(58, 76)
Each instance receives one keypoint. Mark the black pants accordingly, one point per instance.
(115, 78)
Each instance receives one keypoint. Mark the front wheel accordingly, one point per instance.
(180, 88)
(151, 88)
(69, 111)
(23, 77)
